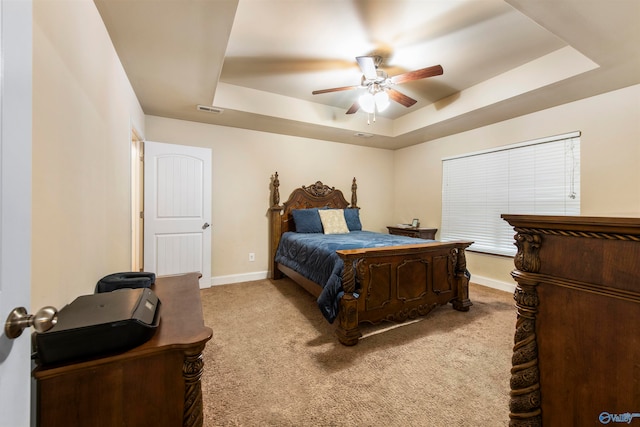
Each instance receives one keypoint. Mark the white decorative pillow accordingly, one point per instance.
(333, 221)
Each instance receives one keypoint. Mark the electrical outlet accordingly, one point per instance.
(252, 256)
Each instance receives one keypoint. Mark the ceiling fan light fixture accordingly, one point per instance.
(382, 100)
(372, 102)
(367, 102)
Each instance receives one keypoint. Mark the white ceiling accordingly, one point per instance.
(259, 60)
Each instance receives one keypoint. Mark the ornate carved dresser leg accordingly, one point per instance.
(525, 404)
(525, 377)
(348, 331)
(192, 370)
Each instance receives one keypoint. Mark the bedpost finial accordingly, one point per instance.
(354, 195)
(275, 190)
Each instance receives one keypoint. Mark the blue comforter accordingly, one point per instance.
(314, 256)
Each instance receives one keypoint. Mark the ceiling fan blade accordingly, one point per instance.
(422, 73)
(335, 89)
(368, 66)
(355, 107)
(401, 98)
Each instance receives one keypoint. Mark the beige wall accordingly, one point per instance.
(243, 163)
(83, 110)
(610, 163)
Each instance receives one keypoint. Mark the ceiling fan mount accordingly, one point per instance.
(381, 79)
(375, 81)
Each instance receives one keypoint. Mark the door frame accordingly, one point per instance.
(137, 201)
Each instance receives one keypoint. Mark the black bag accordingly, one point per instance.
(132, 279)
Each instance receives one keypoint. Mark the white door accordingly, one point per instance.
(15, 206)
(177, 210)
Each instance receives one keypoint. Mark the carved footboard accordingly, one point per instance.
(400, 283)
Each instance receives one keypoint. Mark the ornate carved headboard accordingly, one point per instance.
(316, 195)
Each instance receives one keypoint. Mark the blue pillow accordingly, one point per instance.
(352, 216)
(307, 220)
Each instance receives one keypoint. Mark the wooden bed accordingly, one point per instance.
(394, 283)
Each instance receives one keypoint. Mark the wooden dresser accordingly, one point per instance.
(154, 384)
(576, 355)
(417, 232)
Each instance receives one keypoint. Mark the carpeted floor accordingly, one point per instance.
(274, 361)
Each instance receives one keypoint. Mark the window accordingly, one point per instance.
(540, 177)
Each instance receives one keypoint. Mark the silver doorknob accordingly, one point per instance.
(19, 320)
(206, 225)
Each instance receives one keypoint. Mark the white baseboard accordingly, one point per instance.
(492, 283)
(260, 275)
(237, 278)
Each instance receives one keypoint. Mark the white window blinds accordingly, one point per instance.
(540, 177)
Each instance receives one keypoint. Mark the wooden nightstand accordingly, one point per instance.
(420, 233)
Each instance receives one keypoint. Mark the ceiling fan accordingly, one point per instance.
(378, 85)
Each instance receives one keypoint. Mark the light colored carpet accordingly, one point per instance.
(274, 361)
